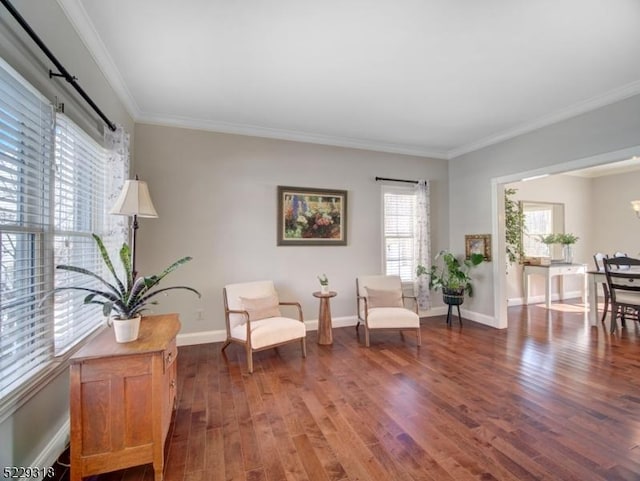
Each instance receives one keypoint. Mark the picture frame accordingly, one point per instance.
(311, 216)
(478, 244)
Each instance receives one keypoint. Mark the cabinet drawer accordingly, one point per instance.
(170, 354)
(569, 270)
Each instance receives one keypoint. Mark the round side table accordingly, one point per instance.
(325, 334)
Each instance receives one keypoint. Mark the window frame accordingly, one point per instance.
(28, 141)
(398, 190)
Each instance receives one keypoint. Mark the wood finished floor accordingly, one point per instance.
(549, 398)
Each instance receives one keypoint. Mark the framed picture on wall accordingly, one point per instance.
(478, 244)
(312, 217)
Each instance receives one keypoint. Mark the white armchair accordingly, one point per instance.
(381, 305)
(253, 319)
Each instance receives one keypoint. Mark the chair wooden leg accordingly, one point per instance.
(226, 344)
(606, 305)
(304, 347)
(419, 337)
(249, 361)
(614, 314)
(366, 336)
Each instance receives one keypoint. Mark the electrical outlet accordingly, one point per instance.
(200, 315)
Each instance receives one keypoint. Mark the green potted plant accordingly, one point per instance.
(566, 240)
(514, 227)
(127, 298)
(451, 275)
(324, 283)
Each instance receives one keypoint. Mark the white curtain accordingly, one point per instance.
(422, 247)
(117, 226)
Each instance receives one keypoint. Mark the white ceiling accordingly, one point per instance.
(426, 77)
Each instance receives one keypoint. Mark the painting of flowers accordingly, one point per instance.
(309, 216)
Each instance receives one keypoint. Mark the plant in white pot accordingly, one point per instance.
(126, 299)
(324, 283)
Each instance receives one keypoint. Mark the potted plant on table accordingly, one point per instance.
(566, 240)
(127, 298)
(324, 284)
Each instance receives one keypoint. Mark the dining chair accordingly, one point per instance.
(623, 282)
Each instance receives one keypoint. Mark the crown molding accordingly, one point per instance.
(593, 103)
(293, 135)
(79, 18)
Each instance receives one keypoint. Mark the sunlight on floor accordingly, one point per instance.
(557, 306)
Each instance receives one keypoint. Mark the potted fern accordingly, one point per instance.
(125, 298)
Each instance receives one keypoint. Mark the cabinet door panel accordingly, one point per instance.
(138, 407)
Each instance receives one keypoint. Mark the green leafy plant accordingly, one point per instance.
(127, 297)
(548, 239)
(323, 280)
(449, 273)
(514, 227)
(564, 239)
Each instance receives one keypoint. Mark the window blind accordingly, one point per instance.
(399, 211)
(80, 210)
(26, 137)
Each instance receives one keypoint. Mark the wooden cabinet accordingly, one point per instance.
(122, 397)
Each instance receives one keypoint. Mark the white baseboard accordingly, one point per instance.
(219, 335)
(54, 448)
(519, 301)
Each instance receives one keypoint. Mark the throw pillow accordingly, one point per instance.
(261, 307)
(384, 297)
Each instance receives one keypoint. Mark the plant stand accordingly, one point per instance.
(449, 314)
(453, 298)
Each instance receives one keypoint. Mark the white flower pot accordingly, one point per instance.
(324, 289)
(126, 330)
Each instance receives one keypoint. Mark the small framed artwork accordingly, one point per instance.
(312, 217)
(478, 244)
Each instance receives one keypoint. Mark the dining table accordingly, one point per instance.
(598, 277)
(595, 277)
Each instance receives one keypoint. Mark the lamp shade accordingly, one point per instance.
(134, 200)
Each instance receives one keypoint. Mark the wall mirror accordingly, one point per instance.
(541, 218)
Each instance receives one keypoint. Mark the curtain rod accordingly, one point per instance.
(398, 180)
(62, 71)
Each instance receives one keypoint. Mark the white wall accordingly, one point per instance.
(607, 129)
(216, 198)
(615, 225)
(34, 435)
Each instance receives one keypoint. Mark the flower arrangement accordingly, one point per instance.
(324, 281)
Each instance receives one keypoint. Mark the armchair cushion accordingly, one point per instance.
(271, 331)
(384, 297)
(261, 307)
(392, 317)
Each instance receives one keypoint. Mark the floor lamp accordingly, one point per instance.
(134, 200)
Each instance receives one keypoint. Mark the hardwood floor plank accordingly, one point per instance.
(550, 398)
